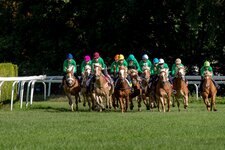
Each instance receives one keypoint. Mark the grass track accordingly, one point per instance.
(50, 125)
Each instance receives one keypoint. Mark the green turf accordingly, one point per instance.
(50, 125)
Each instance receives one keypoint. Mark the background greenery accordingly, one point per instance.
(50, 125)
(38, 34)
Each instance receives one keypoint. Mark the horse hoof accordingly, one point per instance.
(214, 109)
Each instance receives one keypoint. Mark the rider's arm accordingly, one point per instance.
(73, 62)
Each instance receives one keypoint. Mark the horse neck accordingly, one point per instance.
(121, 83)
(208, 81)
(179, 82)
(101, 80)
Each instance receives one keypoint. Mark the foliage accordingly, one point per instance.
(48, 29)
(7, 70)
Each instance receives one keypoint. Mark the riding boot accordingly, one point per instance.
(62, 84)
(216, 85)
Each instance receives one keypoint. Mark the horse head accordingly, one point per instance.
(97, 70)
(207, 74)
(70, 79)
(146, 72)
(87, 70)
(122, 72)
(181, 73)
(163, 76)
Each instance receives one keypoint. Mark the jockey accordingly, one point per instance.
(122, 62)
(154, 66)
(113, 66)
(98, 60)
(85, 62)
(154, 69)
(66, 64)
(145, 62)
(133, 63)
(204, 68)
(163, 65)
(176, 66)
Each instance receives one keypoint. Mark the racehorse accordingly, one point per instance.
(122, 90)
(136, 86)
(163, 91)
(145, 79)
(209, 90)
(102, 88)
(84, 91)
(71, 87)
(181, 88)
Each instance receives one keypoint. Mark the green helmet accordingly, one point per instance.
(131, 57)
(206, 64)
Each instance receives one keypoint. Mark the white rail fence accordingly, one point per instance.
(31, 80)
(20, 81)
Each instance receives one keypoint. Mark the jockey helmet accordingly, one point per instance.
(69, 56)
(161, 61)
(178, 61)
(87, 58)
(206, 64)
(116, 57)
(121, 57)
(96, 55)
(155, 60)
(131, 57)
(145, 56)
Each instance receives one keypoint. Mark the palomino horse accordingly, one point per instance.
(102, 88)
(122, 90)
(180, 87)
(137, 91)
(84, 91)
(209, 90)
(163, 91)
(71, 87)
(145, 79)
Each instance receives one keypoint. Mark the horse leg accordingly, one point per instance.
(139, 103)
(131, 104)
(168, 103)
(186, 101)
(77, 100)
(178, 103)
(213, 102)
(121, 104)
(207, 103)
(70, 101)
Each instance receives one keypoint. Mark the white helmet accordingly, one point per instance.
(145, 56)
(161, 61)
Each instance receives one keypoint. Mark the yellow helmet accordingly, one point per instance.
(206, 64)
(121, 57)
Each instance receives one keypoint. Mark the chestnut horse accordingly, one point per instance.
(137, 91)
(71, 87)
(209, 90)
(181, 88)
(122, 90)
(163, 91)
(145, 79)
(102, 88)
(84, 91)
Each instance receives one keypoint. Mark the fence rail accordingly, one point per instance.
(49, 80)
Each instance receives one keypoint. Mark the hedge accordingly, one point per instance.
(8, 70)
